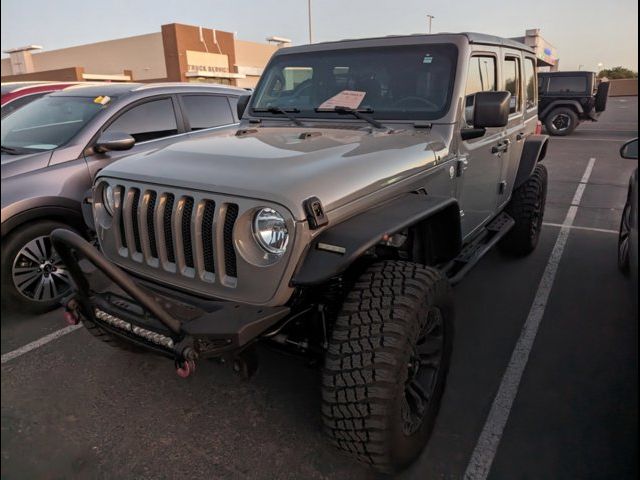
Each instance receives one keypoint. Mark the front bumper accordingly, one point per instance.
(175, 326)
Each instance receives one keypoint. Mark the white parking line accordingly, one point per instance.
(487, 446)
(575, 227)
(38, 343)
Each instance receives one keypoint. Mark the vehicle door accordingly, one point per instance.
(207, 114)
(480, 166)
(153, 122)
(521, 122)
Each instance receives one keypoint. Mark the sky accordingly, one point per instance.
(585, 32)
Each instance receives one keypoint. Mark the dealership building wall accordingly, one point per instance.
(178, 52)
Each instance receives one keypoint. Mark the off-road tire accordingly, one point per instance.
(369, 359)
(564, 111)
(526, 207)
(12, 245)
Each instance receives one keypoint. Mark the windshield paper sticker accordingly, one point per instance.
(346, 98)
(102, 100)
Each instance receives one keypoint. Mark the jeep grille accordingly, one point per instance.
(194, 240)
(176, 233)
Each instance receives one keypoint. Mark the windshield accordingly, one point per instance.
(47, 123)
(399, 82)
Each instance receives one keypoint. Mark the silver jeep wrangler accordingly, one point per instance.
(366, 178)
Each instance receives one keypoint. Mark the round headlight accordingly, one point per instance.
(270, 231)
(109, 199)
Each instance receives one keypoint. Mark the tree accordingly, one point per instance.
(617, 72)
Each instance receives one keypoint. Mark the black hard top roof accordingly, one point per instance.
(567, 73)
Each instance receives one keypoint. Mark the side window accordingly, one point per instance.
(481, 78)
(207, 111)
(530, 82)
(567, 84)
(512, 82)
(148, 121)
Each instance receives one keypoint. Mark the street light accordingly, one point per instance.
(430, 17)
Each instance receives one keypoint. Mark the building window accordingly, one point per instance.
(149, 121)
(207, 111)
(512, 82)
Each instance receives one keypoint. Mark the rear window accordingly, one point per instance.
(567, 85)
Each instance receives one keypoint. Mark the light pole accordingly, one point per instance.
(430, 17)
(310, 31)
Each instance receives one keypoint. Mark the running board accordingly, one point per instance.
(471, 254)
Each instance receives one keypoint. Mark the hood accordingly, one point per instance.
(16, 164)
(286, 165)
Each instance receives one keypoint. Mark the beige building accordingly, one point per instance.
(176, 53)
(546, 54)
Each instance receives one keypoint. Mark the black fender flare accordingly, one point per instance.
(561, 103)
(533, 151)
(338, 246)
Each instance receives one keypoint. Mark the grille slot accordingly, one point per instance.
(230, 264)
(186, 231)
(166, 220)
(123, 236)
(153, 246)
(207, 235)
(135, 203)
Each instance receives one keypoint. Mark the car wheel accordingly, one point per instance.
(34, 278)
(624, 258)
(526, 207)
(387, 362)
(561, 122)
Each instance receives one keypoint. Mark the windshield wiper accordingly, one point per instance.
(11, 150)
(355, 113)
(287, 113)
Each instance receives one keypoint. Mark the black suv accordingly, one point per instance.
(567, 98)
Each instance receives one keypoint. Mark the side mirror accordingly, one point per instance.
(630, 149)
(491, 109)
(243, 101)
(109, 141)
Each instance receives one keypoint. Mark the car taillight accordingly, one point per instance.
(538, 130)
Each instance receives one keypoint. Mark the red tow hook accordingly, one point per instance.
(187, 368)
(70, 312)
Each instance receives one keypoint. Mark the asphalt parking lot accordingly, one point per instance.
(75, 408)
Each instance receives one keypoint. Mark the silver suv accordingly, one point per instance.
(52, 149)
(366, 177)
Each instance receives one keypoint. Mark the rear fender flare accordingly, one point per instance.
(533, 151)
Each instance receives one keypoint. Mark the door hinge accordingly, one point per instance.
(502, 187)
(463, 163)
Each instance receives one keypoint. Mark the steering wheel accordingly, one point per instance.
(422, 100)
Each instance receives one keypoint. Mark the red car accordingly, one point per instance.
(18, 94)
